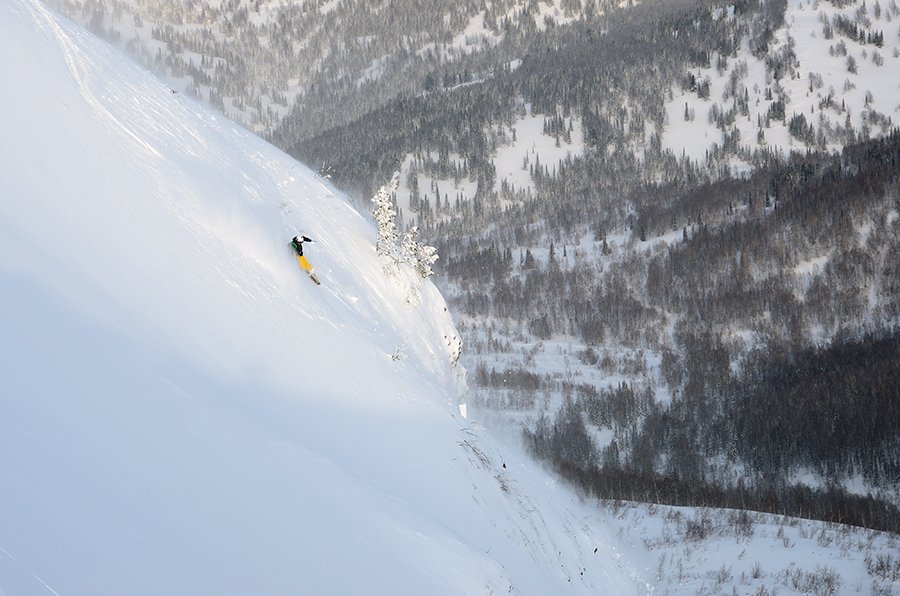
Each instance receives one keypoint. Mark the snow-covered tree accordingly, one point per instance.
(410, 250)
(386, 219)
(420, 256)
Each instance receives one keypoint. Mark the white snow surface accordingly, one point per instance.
(183, 412)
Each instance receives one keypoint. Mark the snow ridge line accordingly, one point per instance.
(71, 54)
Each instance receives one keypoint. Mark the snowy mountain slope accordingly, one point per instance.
(183, 412)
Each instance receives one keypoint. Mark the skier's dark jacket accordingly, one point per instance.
(297, 243)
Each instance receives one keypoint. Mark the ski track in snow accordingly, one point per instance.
(31, 573)
(77, 68)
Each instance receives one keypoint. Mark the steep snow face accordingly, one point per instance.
(183, 412)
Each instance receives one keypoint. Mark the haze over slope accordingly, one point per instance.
(182, 412)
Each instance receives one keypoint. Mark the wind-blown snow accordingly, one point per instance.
(183, 412)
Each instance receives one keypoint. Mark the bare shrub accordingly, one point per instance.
(699, 528)
(823, 582)
(742, 523)
(884, 566)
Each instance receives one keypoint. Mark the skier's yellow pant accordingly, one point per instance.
(304, 264)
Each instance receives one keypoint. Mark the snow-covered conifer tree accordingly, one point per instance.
(426, 258)
(386, 219)
(410, 251)
(420, 256)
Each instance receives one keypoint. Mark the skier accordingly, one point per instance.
(297, 245)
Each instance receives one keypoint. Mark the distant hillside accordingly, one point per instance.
(292, 70)
(593, 264)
